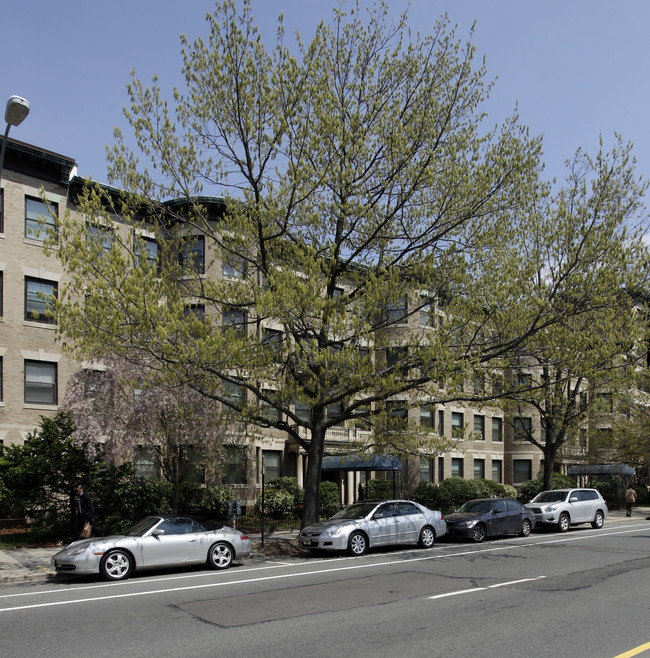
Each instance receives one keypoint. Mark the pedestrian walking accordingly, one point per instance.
(86, 514)
(630, 499)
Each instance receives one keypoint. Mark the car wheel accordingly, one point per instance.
(564, 522)
(116, 565)
(525, 528)
(479, 533)
(598, 521)
(357, 544)
(427, 537)
(220, 555)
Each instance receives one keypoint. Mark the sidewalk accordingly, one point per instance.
(33, 564)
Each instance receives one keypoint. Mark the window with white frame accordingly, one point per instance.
(479, 469)
(40, 382)
(38, 218)
(479, 427)
(457, 467)
(40, 296)
(497, 430)
(457, 424)
(396, 311)
(522, 470)
(497, 471)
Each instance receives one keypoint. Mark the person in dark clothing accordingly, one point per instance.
(85, 510)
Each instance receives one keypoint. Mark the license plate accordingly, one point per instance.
(306, 542)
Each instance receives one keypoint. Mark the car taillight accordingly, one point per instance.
(244, 537)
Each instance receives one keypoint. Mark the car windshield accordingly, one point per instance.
(476, 506)
(358, 511)
(550, 497)
(142, 526)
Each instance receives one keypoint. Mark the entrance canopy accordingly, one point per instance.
(361, 463)
(601, 469)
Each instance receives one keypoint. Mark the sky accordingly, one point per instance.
(574, 69)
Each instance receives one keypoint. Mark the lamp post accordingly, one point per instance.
(16, 111)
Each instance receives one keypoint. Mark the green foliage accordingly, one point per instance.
(290, 485)
(376, 488)
(329, 499)
(217, 498)
(276, 502)
(426, 493)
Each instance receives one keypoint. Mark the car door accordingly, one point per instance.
(410, 521)
(498, 521)
(382, 527)
(515, 516)
(175, 540)
(583, 506)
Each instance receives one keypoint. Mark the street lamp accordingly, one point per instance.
(16, 111)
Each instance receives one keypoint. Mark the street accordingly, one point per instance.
(584, 593)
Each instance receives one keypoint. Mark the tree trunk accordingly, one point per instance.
(312, 481)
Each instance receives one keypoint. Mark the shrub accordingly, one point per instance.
(329, 499)
(217, 498)
(290, 485)
(426, 493)
(276, 502)
(454, 491)
(378, 488)
(529, 489)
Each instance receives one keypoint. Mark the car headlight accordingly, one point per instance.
(79, 551)
(332, 532)
(467, 524)
(549, 508)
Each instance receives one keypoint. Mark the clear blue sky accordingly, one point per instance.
(576, 68)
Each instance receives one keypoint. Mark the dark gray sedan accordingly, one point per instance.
(154, 542)
(489, 517)
(374, 523)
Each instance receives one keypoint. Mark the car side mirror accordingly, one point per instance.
(157, 533)
(573, 499)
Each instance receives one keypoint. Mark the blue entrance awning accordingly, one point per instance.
(601, 469)
(361, 463)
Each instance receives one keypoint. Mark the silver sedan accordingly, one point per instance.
(153, 542)
(372, 523)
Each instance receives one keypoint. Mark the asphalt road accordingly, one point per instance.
(584, 593)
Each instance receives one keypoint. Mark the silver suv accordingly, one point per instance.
(567, 507)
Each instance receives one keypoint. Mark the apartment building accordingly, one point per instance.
(35, 372)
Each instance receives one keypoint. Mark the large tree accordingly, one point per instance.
(562, 372)
(361, 189)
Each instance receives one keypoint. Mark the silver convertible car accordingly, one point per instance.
(155, 541)
(373, 523)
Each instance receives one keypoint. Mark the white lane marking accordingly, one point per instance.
(502, 547)
(481, 589)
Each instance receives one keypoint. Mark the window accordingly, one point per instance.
(234, 465)
(441, 422)
(267, 410)
(40, 382)
(303, 411)
(35, 209)
(39, 295)
(397, 412)
(457, 424)
(441, 469)
(193, 256)
(99, 237)
(605, 403)
(497, 429)
(179, 526)
(427, 416)
(457, 467)
(523, 428)
(1, 379)
(479, 469)
(523, 470)
(426, 469)
(234, 319)
(234, 394)
(335, 411)
(497, 470)
(523, 380)
(272, 340)
(427, 316)
(144, 463)
(196, 311)
(1, 293)
(272, 464)
(396, 311)
(395, 356)
(479, 428)
(479, 383)
(2, 208)
(233, 264)
(149, 252)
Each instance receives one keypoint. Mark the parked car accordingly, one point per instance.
(567, 507)
(489, 517)
(166, 540)
(372, 523)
